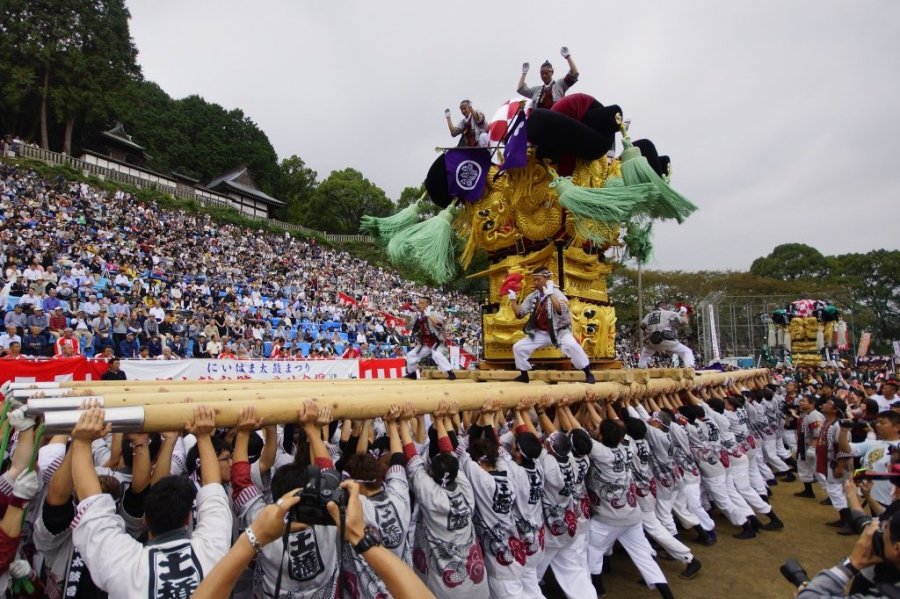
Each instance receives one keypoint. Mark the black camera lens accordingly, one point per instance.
(794, 572)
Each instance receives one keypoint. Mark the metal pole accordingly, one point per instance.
(750, 326)
(640, 306)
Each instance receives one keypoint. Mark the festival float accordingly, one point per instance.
(808, 331)
(545, 192)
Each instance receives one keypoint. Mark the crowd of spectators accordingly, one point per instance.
(87, 272)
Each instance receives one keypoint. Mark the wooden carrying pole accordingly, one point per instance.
(362, 404)
(66, 388)
(216, 392)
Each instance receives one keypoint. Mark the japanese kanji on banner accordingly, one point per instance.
(82, 369)
(192, 370)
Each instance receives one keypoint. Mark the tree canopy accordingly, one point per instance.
(341, 200)
(791, 261)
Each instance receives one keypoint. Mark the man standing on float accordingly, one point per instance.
(427, 326)
(549, 323)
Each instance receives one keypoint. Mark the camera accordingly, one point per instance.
(322, 487)
(794, 572)
(853, 424)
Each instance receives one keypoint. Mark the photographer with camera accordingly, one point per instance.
(879, 544)
(269, 525)
(306, 561)
(875, 453)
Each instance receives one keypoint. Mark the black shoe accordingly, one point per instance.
(664, 591)
(747, 532)
(826, 501)
(836, 524)
(846, 531)
(789, 476)
(691, 570)
(597, 582)
(702, 536)
(451, 375)
(411, 375)
(772, 483)
(774, 522)
(754, 522)
(589, 376)
(805, 493)
(522, 378)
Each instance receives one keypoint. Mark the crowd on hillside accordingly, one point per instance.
(106, 273)
(456, 504)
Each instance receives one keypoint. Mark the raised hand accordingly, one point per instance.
(204, 422)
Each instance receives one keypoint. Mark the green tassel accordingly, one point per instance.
(387, 227)
(610, 205)
(668, 203)
(638, 241)
(428, 246)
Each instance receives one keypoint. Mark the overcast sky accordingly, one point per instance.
(782, 118)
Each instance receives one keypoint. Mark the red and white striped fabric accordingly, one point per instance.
(385, 368)
(503, 117)
(346, 299)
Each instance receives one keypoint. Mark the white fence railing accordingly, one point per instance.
(136, 177)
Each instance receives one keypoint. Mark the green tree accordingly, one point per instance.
(410, 195)
(296, 184)
(791, 261)
(195, 137)
(62, 58)
(341, 200)
(873, 280)
(103, 60)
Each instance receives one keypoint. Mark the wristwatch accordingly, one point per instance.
(847, 565)
(368, 541)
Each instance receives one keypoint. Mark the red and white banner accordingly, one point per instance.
(459, 358)
(82, 369)
(864, 341)
(396, 322)
(48, 371)
(504, 115)
(392, 368)
(346, 299)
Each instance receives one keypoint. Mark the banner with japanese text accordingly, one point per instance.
(82, 369)
(199, 370)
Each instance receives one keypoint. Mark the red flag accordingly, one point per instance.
(396, 322)
(346, 299)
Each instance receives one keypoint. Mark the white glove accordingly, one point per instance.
(548, 288)
(511, 294)
(19, 569)
(447, 112)
(525, 67)
(26, 485)
(564, 51)
(429, 311)
(683, 310)
(19, 419)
